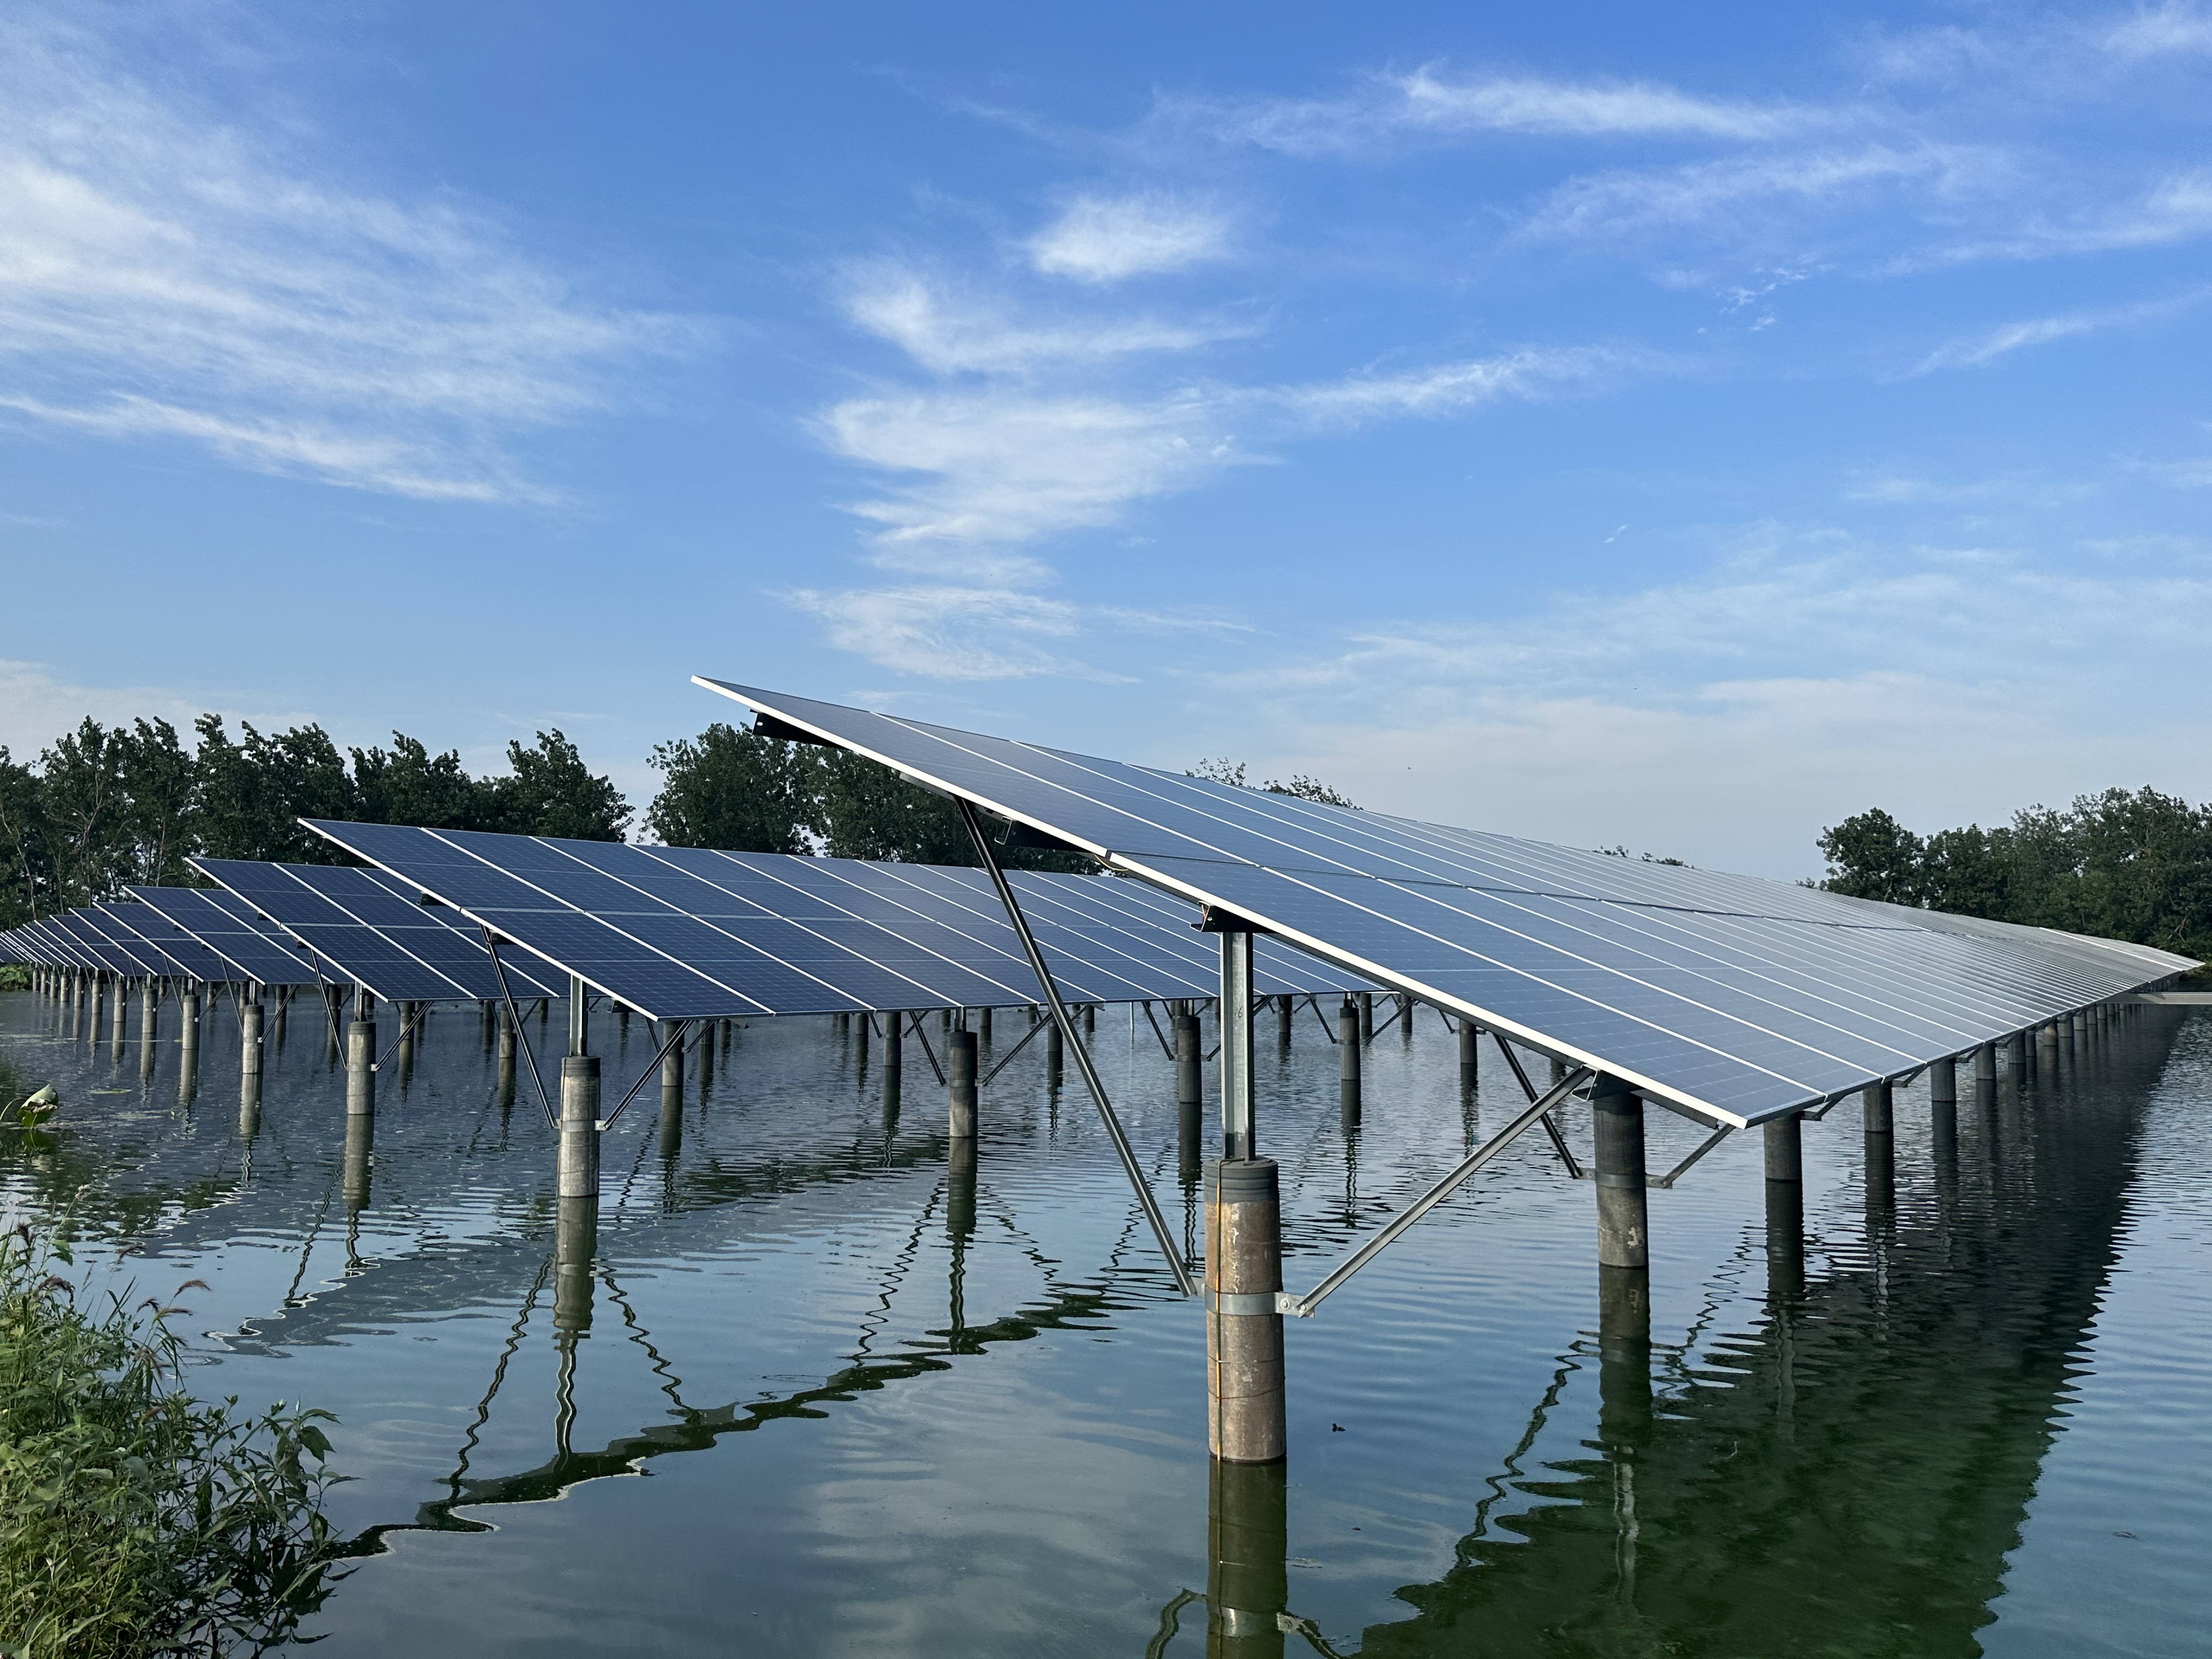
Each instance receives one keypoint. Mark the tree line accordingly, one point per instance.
(105, 807)
(2120, 865)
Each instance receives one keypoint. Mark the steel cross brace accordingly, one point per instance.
(1535, 1112)
(1073, 1040)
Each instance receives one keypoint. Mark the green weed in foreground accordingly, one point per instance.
(135, 1520)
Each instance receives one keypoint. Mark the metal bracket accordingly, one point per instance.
(1249, 1302)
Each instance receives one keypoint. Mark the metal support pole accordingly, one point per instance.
(1943, 1082)
(150, 1027)
(249, 1033)
(95, 989)
(1877, 1111)
(894, 1058)
(1239, 1131)
(1785, 1149)
(1347, 1064)
(1284, 1008)
(360, 1067)
(1623, 1230)
(960, 1082)
(1985, 1063)
(1243, 1331)
(1055, 1056)
(116, 1018)
(580, 1018)
(1367, 1016)
(983, 1026)
(578, 1170)
(188, 1037)
(1189, 1044)
(1470, 1052)
(672, 1059)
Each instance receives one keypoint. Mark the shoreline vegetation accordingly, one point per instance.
(136, 1521)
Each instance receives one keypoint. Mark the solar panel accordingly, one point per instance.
(245, 948)
(1743, 999)
(367, 929)
(687, 933)
(101, 920)
(94, 944)
(57, 947)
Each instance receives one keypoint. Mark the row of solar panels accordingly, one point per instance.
(1742, 1000)
(674, 933)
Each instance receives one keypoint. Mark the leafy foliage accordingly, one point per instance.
(2121, 865)
(102, 808)
(747, 792)
(134, 1520)
(1225, 770)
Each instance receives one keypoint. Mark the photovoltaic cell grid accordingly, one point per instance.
(245, 948)
(366, 928)
(1742, 999)
(687, 933)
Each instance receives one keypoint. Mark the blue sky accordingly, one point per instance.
(1672, 427)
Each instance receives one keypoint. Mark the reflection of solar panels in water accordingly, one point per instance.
(1743, 998)
(367, 929)
(245, 949)
(685, 933)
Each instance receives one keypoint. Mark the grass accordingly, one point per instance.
(134, 1520)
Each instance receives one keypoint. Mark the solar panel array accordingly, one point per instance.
(247, 949)
(1741, 999)
(687, 933)
(367, 928)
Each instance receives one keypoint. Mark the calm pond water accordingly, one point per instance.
(832, 1398)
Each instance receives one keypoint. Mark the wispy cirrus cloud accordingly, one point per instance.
(951, 632)
(1428, 103)
(1105, 239)
(947, 334)
(169, 271)
(1976, 350)
(2173, 29)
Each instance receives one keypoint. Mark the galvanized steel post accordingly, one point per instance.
(960, 1078)
(577, 1174)
(1239, 1132)
(1623, 1227)
(1243, 1331)
(1348, 1101)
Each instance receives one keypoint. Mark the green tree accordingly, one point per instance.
(736, 790)
(87, 813)
(868, 812)
(24, 877)
(409, 785)
(251, 794)
(1872, 855)
(1301, 787)
(159, 775)
(552, 793)
(1967, 871)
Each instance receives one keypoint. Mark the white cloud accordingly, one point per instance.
(166, 273)
(1446, 388)
(1803, 677)
(2177, 208)
(949, 336)
(1002, 465)
(2163, 31)
(1976, 350)
(1105, 239)
(1743, 192)
(1428, 103)
(950, 633)
(37, 706)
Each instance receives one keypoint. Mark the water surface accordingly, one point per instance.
(821, 1392)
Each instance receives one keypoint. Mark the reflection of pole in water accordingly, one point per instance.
(576, 1240)
(1246, 1580)
(1624, 1374)
(959, 1229)
(360, 1144)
